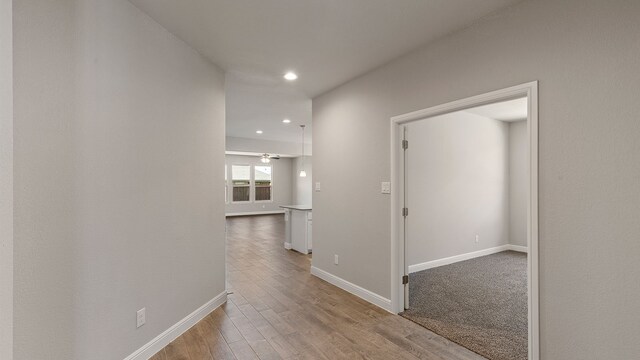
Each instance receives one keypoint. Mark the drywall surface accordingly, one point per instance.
(6, 180)
(267, 146)
(457, 186)
(585, 55)
(119, 151)
(302, 186)
(518, 182)
(281, 190)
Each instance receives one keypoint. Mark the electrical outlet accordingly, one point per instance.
(140, 317)
(335, 259)
(385, 187)
(477, 238)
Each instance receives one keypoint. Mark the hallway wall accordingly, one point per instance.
(585, 55)
(119, 151)
(6, 179)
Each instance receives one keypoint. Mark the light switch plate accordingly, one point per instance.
(141, 317)
(386, 187)
(317, 186)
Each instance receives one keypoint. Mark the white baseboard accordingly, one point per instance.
(354, 289)
(463, 257)
(287, 246)
(162, 340)
(518, 248)
(249, 213)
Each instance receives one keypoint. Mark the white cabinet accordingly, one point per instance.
(309, 233)
(287, 229)
(298, 228)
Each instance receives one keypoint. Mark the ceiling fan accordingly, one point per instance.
(265, 158)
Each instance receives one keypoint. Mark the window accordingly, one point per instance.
(262, 181)
(241, 183)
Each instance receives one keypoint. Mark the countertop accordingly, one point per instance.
(297, 207)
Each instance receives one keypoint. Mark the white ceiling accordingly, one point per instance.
(254, 103)
(512, 110)
(247, 153)
(327, 42)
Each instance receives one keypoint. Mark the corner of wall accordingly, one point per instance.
(352, 288)
(161, 341)
(6, 179)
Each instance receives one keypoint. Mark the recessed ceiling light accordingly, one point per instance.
(258, 131)
(290, 76)
(286, 121)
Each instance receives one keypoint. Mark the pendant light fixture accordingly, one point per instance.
(265, 158)
(302, 172)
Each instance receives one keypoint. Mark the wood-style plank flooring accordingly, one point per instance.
(278, 310)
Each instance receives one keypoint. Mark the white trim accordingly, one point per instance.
(457, 258)
(397, 202)
(255, 213)
(241, 202)
(529, 90)
(511, 93)
(518, 248)
(287, 246)
(532, 226)
(172, 333)
(352, 288)
(264, 201)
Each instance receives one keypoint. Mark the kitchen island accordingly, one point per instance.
(298, 225)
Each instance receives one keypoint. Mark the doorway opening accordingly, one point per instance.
(464, 225)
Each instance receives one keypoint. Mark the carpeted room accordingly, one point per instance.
(467, 186)
(479, 303)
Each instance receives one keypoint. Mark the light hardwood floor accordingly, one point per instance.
(278, 310)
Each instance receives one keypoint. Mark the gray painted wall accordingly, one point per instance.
(586, 56)
(119, 150)
(302, 187)
(518, 182)
(281, 190)
(6, 180)
(457, 186)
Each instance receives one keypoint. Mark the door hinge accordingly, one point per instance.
(405, 144)
(405, 279)
(405, 212)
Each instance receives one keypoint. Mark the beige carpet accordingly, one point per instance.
(480, 304)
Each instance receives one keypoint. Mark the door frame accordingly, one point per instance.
(398, 266)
